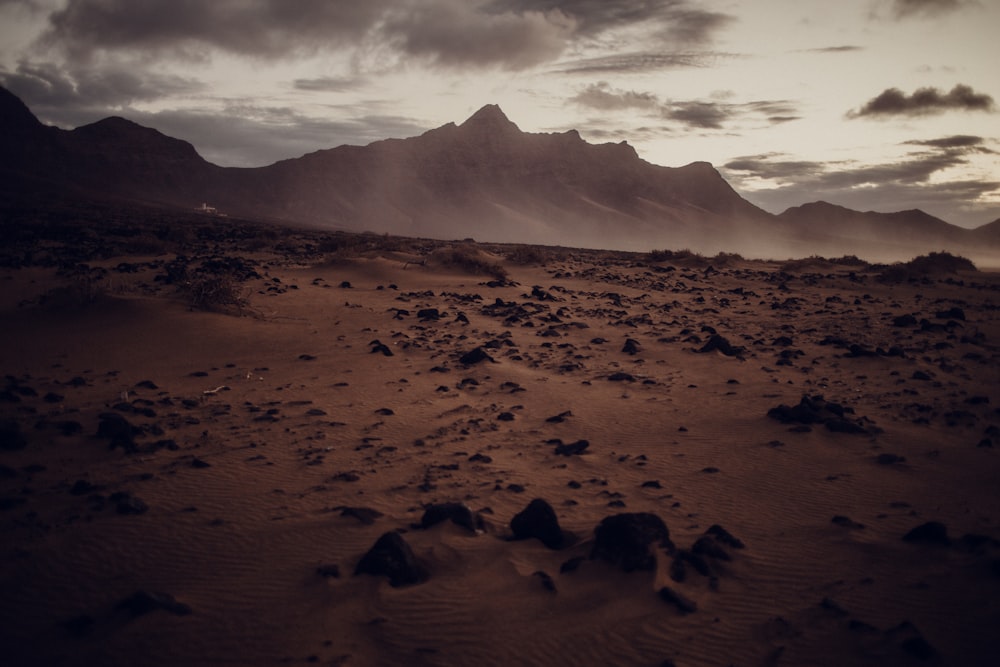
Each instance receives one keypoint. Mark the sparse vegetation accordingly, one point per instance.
(926, 266)
(468, 258)
(216, 292)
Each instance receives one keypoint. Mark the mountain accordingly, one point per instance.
(484, 178)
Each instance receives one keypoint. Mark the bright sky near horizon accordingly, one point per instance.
(872, 104)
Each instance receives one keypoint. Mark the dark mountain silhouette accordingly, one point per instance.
(484, 178)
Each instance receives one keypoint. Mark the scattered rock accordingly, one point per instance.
(627, 540)
(572, 449)
(458, 513)
(717, 342)
(932, 532)
(11, 437)
(475, 356)
(538, 520)
(392, 557)
(365, 515)
(684, 604)
(547, 582)
(143, 602)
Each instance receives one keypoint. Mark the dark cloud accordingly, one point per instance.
(703, 115)
(907, 8)
(510, 34)
(961, 142)
(676, 20)
(643, 61)
(601, 96)
(847, 48)
(692, 113)
(457, 34)
(67, 91)
(894, 102)
(261, 28)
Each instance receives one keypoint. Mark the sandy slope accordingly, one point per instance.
(307, 421)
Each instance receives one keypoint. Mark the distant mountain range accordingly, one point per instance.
(484, 179)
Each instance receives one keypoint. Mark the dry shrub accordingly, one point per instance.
(468, 259)
(925, 266)
(216, 292)
(673, 255)
(529, 254)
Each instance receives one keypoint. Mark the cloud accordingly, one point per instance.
(846, 48)
(642, 61)
(457, 34)
(894, 102)
(260, 28)
(704, 115)
(329, 83)
(48, 88)
(907, 8)
(679, 21)
(956, 142)
(601, 96)
(691, 113)
(776, 182)
(509, 34)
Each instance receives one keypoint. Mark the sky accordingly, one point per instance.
(881, 105)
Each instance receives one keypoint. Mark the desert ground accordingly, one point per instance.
(564, 457)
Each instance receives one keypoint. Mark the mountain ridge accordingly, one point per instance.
(483, 178)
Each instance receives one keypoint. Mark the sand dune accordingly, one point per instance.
(264, 454)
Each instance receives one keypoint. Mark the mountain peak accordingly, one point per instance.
(490, 116)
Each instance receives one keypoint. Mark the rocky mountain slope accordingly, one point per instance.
(484, 178)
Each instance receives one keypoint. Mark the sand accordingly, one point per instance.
(214, 531)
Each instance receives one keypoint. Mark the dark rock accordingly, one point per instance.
(723, 536)
(572, 449)
(143, 602)
(707, 546)
(392, 557)
(365, 515)
(78, 626)
(126, 503)
(546, 580)
(631, 346)
(684, 604)
(932, 532)
(919, 648)
(887, 459)
(627, 540)
(954, 313)
(81, 487)
(200, 463)
(118, 430)
(328, 571)
(717, 342)
(458, 513)
(817, 410)
(11, 437)
(621, 376)
(475, 356)
(379, 346)
(846, 522)
(538, 520)
(572, 565)
(428, 314)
